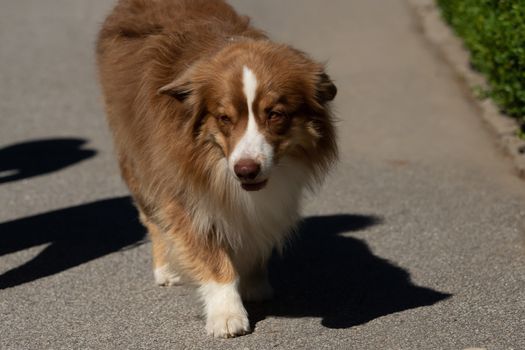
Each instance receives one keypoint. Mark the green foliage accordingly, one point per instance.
(494, 32)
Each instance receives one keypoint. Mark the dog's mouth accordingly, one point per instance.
(253, 186)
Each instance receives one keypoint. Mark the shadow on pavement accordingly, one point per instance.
(323, 274)
(32, 158)
(338, 278)
(75, 235)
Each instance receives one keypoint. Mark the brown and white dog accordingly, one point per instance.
(218, 132)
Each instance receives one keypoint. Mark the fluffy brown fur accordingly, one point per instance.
(171, 72)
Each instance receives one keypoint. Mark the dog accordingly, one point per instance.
(218, 132)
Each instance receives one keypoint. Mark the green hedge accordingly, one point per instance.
(494, 32)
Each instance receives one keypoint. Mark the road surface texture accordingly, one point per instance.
(414, 242)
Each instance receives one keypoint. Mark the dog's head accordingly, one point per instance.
(259, 102)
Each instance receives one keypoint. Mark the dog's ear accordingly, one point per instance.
(326, 90)
(180, 88)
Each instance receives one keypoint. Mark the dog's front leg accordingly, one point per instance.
(162, 269)
(209, 264)
(225, 314)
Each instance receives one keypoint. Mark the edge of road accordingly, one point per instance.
(450, 48)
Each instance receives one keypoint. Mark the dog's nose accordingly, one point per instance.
(247, 169)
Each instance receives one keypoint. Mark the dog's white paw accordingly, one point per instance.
(226, 316)
(227, 325)
(257, 291)
(165, 277)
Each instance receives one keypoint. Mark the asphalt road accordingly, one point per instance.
(415, 242)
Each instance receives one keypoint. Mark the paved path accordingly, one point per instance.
(414, 243)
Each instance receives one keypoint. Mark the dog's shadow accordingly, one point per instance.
(337, 278)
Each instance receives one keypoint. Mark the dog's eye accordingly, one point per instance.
(224, 119)
(274, 116)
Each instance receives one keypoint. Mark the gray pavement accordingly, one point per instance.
(415, 242)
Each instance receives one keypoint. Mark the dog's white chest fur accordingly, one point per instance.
(252, 223)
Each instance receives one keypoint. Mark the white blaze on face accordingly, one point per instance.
(253, 144)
